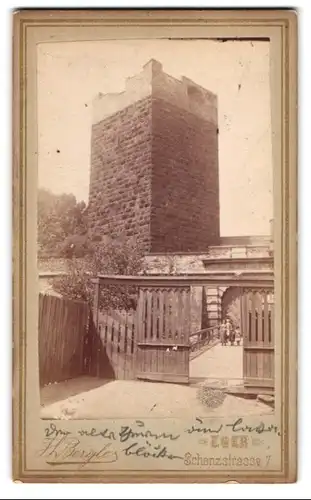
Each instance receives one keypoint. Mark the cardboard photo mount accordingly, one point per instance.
(32, 27)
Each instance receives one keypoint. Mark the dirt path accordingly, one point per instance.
(134, 399)
(220, 362)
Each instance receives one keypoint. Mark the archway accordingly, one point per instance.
(231, 305)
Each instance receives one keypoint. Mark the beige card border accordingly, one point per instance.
(287, 21)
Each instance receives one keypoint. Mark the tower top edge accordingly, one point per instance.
(154, 82)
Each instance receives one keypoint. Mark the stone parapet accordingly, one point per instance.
(152, 81)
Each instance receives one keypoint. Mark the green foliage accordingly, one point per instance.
(60, 217)
(234, 312)
(111, 257)
(62, 232)
(75, 246)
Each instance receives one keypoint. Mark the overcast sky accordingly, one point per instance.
(71, 74)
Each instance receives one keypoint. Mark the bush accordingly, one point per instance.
(77, 246)
(113, 257)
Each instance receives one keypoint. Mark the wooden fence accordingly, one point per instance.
(116, 346)
(63, 339)
(258, 328)
(69, 345)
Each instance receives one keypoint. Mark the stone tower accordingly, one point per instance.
(154, 163)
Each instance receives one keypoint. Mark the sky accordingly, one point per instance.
(71, 74)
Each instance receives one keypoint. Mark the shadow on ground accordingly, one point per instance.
(60, 391)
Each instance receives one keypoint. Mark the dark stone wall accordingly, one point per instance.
(185, 189)
(154, 175)
(120, 183)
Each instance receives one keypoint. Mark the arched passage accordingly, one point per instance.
(231, 305)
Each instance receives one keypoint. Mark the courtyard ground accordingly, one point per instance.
(91, 398)
(223, 363)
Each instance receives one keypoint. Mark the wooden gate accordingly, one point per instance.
(257, 323)
(158, 344)
(163, 321)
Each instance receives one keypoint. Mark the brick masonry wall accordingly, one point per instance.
(120, 183)
(154, 175)
(185, 186)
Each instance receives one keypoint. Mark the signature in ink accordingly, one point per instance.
(200, 429)
(128, 432)
(68, 450)
(147, 450)
(237, 426)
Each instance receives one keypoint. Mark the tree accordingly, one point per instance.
(117, 257)
(231, 305)
(75, 246)
(59, 217)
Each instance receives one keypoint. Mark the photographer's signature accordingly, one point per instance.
(66, 449)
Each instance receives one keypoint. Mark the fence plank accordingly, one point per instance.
(149, 314)
(266, 320)
(62, 329)
(121, 352)
(253, 318)
(180, 311)
(134, 348)
(155, 313)
(141, 328)
(272, 325)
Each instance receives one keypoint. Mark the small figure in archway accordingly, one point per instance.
(223, 333)
(238, 335)
(228, 327)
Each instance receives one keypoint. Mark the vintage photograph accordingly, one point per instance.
(155, 229)
(155, 246)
